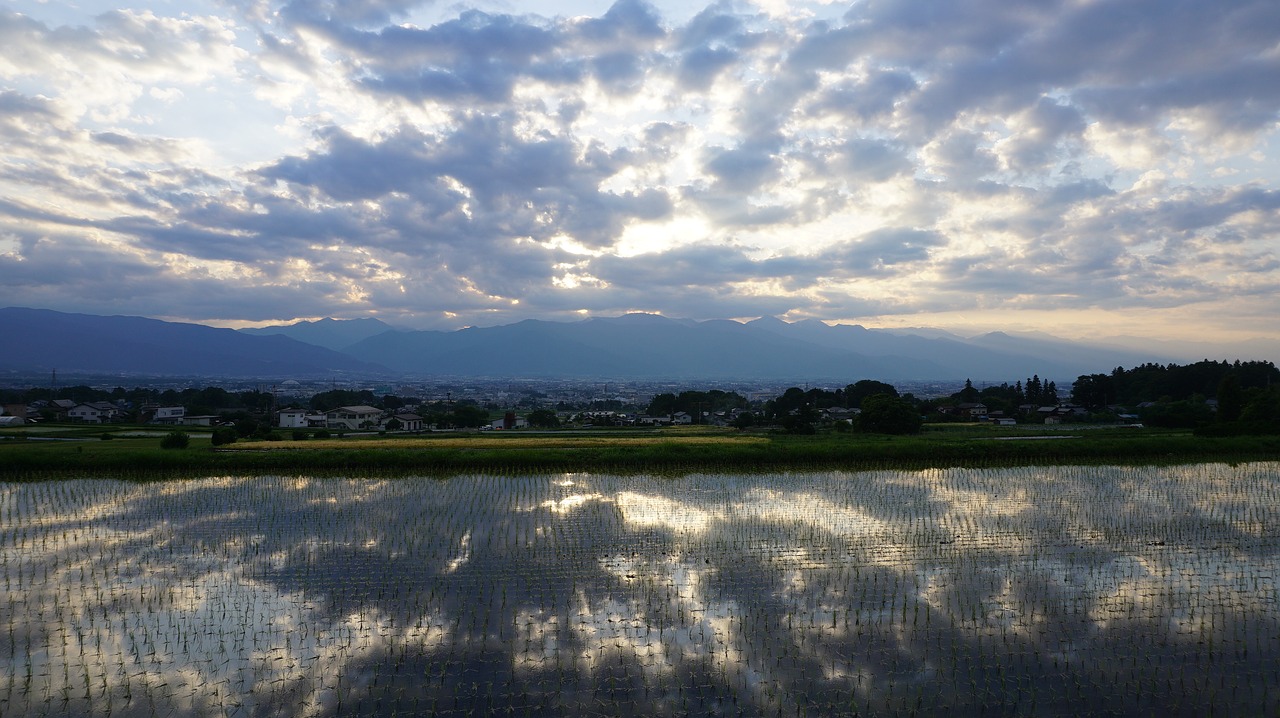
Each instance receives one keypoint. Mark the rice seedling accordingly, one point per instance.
(1044, 591)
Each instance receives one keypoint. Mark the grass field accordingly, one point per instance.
(48, 452)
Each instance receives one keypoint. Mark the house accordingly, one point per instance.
(352, 418)
(839, 413)
(18, 410)
(974, 410)
(295, 418)
(169, 415)
(199, 420)
(681, 417)
(95, 412)
(406, 422)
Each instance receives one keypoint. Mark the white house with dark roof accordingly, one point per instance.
(353, 418)
(94, 412)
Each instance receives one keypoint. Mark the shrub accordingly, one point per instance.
(247, 427)
(225, 435)
(175, 440)
(322, 433)
(300, 434)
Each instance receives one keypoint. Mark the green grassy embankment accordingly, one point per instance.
(83, 452)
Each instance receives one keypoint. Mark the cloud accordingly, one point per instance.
(411, 157)
(491, 182)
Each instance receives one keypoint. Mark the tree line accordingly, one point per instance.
(1247, 397)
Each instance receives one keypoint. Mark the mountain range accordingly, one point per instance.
(632, 346)
(43, 340)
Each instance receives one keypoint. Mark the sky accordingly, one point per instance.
(1085, 168)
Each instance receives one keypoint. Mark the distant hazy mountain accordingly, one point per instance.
(40, 339)
(650, 346)
(639, 346)
(335, 334)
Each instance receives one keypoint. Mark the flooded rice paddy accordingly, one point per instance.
(1033, 591)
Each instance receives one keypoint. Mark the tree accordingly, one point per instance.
(1230, 398)
(968, 394)
(744, 420)
(543, 419)
(886, 414)
(1094, 391)
(468, 416)
(394, 424)
(855, 393)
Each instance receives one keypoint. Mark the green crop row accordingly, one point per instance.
(143, 457)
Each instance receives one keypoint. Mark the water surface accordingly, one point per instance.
(1047, 591)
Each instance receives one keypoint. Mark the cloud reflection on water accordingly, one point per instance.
(1048, 591)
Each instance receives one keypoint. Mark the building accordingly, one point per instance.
(95, 412)
(352, 418)
(169, 415)
(295, 418)
(509, 421)
(405, 422)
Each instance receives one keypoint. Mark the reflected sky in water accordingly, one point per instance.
(1045, 591)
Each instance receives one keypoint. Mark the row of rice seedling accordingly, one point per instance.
(1042, 591)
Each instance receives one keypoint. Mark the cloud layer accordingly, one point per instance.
(1109, 163)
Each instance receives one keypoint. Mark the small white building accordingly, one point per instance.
(352, 418)
(169, 415)
(295, 418)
